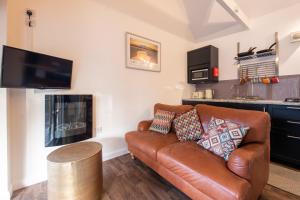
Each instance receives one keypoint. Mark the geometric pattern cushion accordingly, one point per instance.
(162, 121)
(188, 126)
(222, 137)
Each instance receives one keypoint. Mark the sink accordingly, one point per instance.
(248, 98)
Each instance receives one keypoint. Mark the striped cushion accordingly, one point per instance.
(162, 121)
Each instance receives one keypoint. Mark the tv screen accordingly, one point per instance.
(26, 69)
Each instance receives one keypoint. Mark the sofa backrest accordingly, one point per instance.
(178, 109)
(259, 122)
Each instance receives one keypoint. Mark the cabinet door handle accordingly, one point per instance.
(293, 122)
(293, 137)
(293, 108)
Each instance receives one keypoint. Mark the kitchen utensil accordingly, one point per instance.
(209, 93)
(247, 53)
(267, 50)
(195, 95)
(242, 80)
(247, 78)
(256, 78)
(265, 80)
(275, 79)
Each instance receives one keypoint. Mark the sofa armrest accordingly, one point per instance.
(251, 162)
(144, 125)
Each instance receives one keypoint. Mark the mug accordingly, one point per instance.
(195, 95)
(209, 93)
(275, 79)
(201, 94)
(265, 80)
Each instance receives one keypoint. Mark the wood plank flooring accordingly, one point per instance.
(132, 180)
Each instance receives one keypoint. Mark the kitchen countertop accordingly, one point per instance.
(274, 102)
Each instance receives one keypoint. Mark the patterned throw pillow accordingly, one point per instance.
(222, 137)
(162, 121)
(188, 126)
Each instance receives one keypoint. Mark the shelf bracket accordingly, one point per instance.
(277, 52)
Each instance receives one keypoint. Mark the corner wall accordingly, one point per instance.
(4, 136)
(92, 35)
(261, 35)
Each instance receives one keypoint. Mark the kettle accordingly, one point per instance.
(209, 94)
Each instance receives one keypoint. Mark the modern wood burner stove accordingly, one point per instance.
(68, 119)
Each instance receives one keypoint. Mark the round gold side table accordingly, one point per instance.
(75, 172)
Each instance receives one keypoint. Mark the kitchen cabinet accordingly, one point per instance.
(246, 106)
(285, 133)
(203, 65)
(285, 128)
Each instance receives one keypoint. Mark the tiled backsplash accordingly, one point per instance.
(289, 86)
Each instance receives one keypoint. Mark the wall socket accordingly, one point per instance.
(99, 130)
(30, 15)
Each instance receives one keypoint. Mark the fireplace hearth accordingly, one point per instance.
(68, 119)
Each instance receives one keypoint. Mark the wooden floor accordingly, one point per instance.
(132, 180)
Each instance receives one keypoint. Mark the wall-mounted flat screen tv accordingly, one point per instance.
(25, 69)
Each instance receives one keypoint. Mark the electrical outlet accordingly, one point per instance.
(30, 15)
(99, 130)
(30, 12)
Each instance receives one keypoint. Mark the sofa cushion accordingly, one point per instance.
(178, 109)
(149, 142)
(205, 171)
(258, 121)
(188, 127)
(222, 137)
(162, 121)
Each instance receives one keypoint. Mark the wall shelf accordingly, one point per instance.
(258, 66)
(255, 56)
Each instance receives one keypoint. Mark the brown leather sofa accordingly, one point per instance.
(199, 173)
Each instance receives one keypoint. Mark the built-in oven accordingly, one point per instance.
(199, 74)
(202, 74)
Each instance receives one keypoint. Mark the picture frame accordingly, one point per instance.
(142, 53)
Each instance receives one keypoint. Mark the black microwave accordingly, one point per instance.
(202, 74)
(199, 74)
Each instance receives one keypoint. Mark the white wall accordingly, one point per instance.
(261, 35)
(4, 171)
(92, 35)
(4, 138)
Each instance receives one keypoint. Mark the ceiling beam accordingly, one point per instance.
(235, 11)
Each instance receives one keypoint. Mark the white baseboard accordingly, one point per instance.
(10, 189)
(27, 182)
(114, 154)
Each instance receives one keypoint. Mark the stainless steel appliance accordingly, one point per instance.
(294, 100)
(199, 74)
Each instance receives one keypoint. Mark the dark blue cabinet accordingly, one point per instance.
(285, 128)
(285, 134)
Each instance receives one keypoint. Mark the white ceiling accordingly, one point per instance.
(218, 14)
(198, 20)
(174, 8)
(258, 8)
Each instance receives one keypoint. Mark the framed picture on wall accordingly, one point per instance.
(142, 53)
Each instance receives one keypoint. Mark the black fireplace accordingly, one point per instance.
(68, 119)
